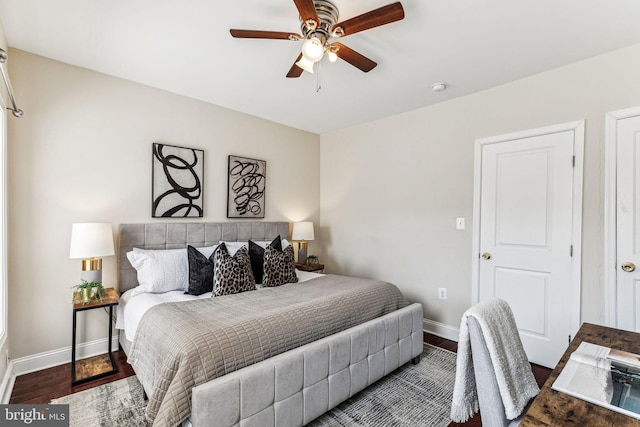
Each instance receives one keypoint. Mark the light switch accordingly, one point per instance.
(459, 223)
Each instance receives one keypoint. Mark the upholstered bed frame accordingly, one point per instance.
(297, 386)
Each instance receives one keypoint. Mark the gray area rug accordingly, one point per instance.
(120, 403)
(412, 396)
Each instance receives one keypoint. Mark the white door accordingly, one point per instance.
(527, 243)
(628, 223)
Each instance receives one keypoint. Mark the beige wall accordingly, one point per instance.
(387, 192)
(82, 153)
(3, 93)
(391, 189)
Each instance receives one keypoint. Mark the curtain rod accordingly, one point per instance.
(5, 75)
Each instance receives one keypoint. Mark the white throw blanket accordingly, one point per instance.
(515, 379)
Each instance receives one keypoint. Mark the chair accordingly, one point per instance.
(491, 407)
(492, 322)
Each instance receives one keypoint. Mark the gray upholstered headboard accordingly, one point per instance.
(179, 235)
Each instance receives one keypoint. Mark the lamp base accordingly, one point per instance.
(91, 270)
(302, 252)
(91, 276)
(92, 264)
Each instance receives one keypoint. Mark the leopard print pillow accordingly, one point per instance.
(279, 267)
(232, 274)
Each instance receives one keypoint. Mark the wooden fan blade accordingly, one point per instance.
(381, 16)
(354, 58)
(295, 71)
(255, 34)
(307, 10)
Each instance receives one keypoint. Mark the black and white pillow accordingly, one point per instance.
(232, 274)
(279, 267)
(256, 253)
(200, 272)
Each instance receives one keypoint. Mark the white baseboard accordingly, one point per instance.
(48, 359)
(440, 329)
(7, 384)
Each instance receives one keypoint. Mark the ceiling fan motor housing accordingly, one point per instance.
(328, 15)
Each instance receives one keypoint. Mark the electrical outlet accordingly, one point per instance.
(442, 293)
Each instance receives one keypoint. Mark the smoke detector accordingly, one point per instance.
(438, 87)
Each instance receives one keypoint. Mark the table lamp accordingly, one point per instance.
(302, 231)
(90, 242)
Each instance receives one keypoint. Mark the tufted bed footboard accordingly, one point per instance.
(297, 386)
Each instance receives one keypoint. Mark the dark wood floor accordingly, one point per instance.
(43, 386)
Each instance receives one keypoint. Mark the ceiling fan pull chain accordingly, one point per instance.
(318, 76)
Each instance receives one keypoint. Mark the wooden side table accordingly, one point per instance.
(554, 408)
(316, 268)
(110, 299)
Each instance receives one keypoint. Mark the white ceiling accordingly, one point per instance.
(185, 47)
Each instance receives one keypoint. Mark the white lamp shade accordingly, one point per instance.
(91, 240)
(305, 65)
(302, 231)
(312, 49)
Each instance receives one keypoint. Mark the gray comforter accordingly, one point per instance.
(180, 345)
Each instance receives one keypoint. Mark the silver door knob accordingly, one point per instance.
(628, 267)
(486, 255)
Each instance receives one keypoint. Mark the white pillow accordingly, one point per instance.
(207, 250)
(262, 244)
(233, 247)
(160, 270)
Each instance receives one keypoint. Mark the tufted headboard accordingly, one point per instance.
(179, 235)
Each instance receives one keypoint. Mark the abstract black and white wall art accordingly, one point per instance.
(177, 178)
(247, 179)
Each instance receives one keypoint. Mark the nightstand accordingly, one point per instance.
(316, 268)
(89, 366)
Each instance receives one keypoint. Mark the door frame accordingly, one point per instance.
(610, 210)
(577, 128)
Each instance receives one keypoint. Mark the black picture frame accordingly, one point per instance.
(246, 181)
(177, 179)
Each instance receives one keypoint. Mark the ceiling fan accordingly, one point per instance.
(319, 24)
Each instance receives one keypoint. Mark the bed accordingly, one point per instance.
(358, 329)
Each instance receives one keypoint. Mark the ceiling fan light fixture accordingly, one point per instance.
(333, 57)
(312, 49)
(305, 64)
